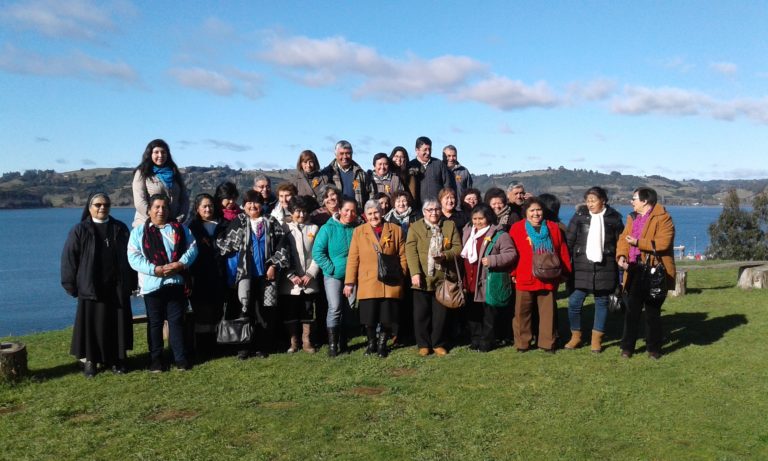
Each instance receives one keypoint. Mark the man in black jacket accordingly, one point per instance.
(431, 174)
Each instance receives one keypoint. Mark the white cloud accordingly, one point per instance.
(227, 145)
(74, 19)
(324, 62)
(678, 64)
(725, 68)
(637, 100)
(235, 81)
(506, 94)
(670, 101)
(203, 79)
(76, 64)
(596, 90)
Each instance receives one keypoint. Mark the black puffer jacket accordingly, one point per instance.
(602, 276)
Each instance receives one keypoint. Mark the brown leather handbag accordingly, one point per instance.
(449, 291)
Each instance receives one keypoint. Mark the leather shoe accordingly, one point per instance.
(441, 352)
(119, 369)
(654, 355)
(423, 351)
(625, 354)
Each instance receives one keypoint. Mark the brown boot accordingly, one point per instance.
(293, 329)
(597, 341)
(305, 341)
(575, 341)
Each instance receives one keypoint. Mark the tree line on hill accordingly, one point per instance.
(47, 188)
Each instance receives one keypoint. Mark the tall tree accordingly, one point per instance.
(736, 234)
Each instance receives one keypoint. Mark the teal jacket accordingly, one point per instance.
(331, 248)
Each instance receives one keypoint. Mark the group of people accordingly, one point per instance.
(341, 250)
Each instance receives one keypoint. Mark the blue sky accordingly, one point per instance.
(670, 88)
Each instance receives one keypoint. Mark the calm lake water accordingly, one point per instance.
(32, 299)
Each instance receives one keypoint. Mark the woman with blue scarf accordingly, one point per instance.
(535, 235)
(158, 174)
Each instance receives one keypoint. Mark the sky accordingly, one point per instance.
(676, 89)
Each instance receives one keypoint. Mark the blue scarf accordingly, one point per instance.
(540, 241)
(164, 174)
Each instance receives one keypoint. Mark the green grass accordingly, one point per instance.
(706, 399)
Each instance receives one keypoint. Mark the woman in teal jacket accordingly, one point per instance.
(330, 252)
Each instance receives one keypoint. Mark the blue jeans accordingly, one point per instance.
(336, 301)
(576, 301)
(167, 303)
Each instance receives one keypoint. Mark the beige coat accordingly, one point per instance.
(363, 262)
(143, 189)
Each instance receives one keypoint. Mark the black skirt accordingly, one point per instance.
(378, 310)
(103, 330)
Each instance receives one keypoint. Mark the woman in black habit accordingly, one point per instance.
(95, 270)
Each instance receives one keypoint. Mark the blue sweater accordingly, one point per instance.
(149, 281)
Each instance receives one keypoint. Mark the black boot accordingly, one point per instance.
(333, 342)
(371, 333)
(383, 351)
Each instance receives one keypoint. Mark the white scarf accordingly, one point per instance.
(258, 225)
(469, 252)
(596, 237)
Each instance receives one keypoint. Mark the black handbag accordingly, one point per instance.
(654, 277)
(235, 331)
(389, 271)
(616, 303)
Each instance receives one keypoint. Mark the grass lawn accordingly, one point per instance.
(705, 399)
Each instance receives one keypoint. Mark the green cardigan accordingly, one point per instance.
(417, 247)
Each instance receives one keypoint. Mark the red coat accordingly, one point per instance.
(523, 270)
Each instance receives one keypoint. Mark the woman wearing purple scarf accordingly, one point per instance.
(648, 226)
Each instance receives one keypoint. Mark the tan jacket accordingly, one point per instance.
(363, 262)
(145, 188)
(661, 230)
(417, 247)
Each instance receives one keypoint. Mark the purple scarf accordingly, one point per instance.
(638, 224)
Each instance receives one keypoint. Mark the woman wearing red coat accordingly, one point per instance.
(532, 235)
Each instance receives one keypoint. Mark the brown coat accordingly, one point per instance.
(661, 230)
(362, 262)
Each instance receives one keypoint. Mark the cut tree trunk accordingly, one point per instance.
(753, 277)
(13, 361)
(681, 283)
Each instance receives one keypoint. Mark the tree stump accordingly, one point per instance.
(13, 361)
(753, 277)
(681, 283)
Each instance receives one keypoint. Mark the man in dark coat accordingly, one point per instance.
(430, 173)
(347, 175)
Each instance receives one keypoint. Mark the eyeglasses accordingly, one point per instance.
(431, 210)
(100, 205)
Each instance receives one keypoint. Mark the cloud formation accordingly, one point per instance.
(725, 68)
(72, 19)
(327, 61)
(226, 145)
(638, 100)
(234, 82)
(506, 94)
(76, 64)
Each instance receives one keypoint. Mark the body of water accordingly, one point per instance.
(32, 299)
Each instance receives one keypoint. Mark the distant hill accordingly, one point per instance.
(47, 188)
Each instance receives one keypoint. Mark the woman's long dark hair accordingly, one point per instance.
(146, 166)
(198, 200)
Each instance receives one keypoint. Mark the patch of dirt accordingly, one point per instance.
(403, 371)
(83, 418)
(278, 405)
(368, 390)
(9, 410)
(172, 415)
